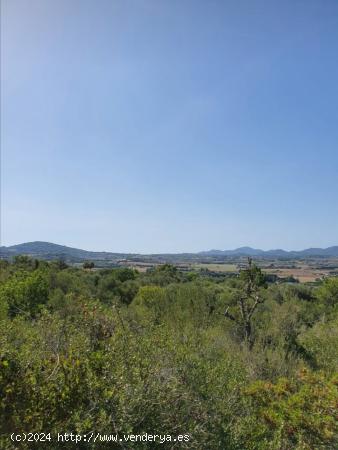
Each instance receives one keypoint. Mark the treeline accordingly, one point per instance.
(236, 363)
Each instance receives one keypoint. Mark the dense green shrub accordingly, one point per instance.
(116, 351)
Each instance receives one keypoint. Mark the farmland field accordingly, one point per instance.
(305, 271)
(216, 267)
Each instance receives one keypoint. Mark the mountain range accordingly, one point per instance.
(48, 250)
(278, 253)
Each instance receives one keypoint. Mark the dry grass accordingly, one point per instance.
(216, 267)
(303, 274)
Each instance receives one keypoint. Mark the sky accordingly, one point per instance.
(169, 125)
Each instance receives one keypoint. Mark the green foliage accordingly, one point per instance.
(252, 275)
(328, 293)
(297, 414)
(25, 262)
(117, 351)
(321, 341)
(163, 275)
(25, 292)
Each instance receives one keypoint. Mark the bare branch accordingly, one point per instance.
(258, 300)
(242, 308)
(230, 316)
(55, 367)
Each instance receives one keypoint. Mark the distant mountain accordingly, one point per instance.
(48, 250)
(242, 251)
(278, 253)
(330, 251)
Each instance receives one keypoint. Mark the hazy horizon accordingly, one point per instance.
(161, 127)
(178, 252)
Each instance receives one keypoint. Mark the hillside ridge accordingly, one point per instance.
(51, 250)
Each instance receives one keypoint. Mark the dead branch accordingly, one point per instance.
(230, 316)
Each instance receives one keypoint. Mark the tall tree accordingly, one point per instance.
(248, 299)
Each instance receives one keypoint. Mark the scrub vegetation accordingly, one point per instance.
(237, 363)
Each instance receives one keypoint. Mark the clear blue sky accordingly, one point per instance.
(164, 126)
